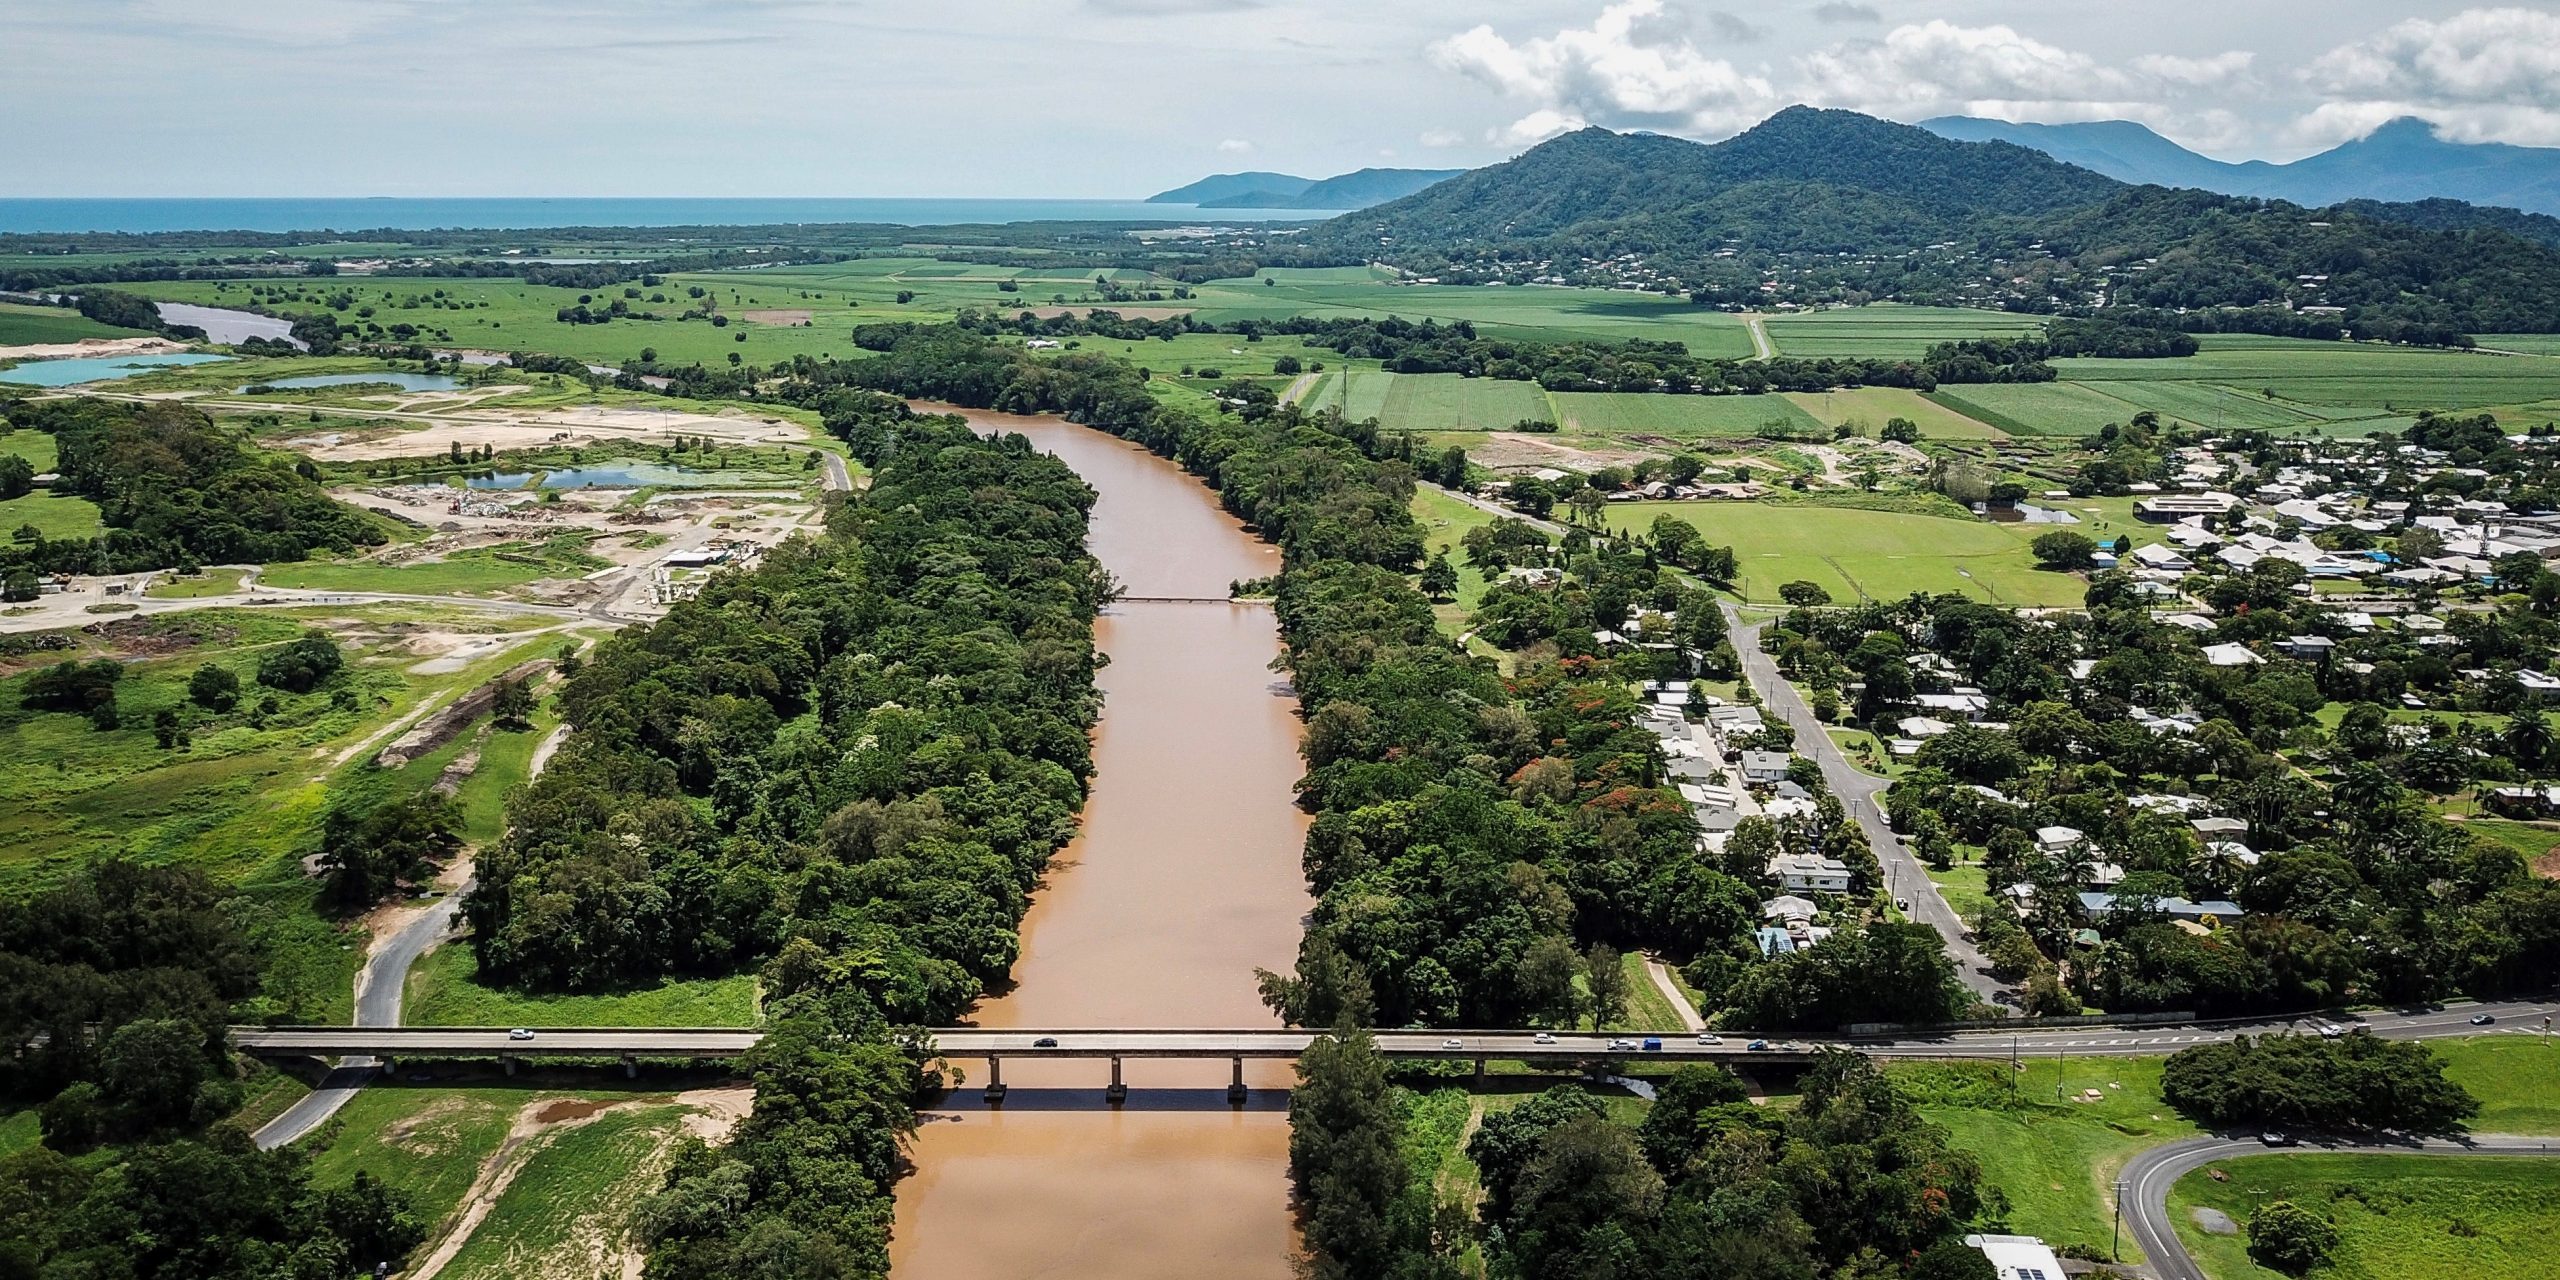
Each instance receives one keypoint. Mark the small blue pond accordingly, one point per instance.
(73, 372)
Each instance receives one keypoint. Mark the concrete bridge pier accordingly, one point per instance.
(1118, 1092)
(1479, 1073)
(508, 1061)
(1235, 1087)
(630, 1066)
(995, 1080)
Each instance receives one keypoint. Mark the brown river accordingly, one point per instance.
(1184, 878)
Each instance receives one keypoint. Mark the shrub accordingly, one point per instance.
(2284, 1236)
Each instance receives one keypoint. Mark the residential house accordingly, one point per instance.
(1809, 873)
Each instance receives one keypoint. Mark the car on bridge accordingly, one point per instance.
(1622, 1045)
(1543, 1037)
(2483, 1019)
(1045, 1042)
(520, 1033)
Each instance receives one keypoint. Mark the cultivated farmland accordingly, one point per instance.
(1619, 411)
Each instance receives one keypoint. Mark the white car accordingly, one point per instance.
(520, 1033)
(1543, 1037)
(1453, 1043)
(1628, 1045)
(1709, 1037)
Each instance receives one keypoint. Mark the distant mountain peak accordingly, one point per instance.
(2404, 160)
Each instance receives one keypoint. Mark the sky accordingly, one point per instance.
(1120, 98)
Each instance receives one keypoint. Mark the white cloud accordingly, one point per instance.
(1234, 147)
(1934, 67)
(1636, 66)
(2481, 75)
(1632, 67)
(2221, 68)
(1442, 138)
(2505, 57)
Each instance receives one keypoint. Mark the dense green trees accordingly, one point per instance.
(2286, 1237)
(367, 852)
(1890, 973)
(847, 766)
(302, 665)
(2354, 1082)
(173, 488)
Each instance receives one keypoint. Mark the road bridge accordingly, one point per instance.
(2026, 1043)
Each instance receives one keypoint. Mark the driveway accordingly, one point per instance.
(1904, 875)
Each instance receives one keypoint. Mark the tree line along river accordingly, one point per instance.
(1184, 878)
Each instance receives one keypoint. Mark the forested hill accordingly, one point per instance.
(1802, 179)
(1834, 202)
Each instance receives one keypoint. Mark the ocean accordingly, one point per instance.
(75, 216)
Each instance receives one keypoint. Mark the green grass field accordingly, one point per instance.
(2515, 1077)
(1869, 408)
(52, 515)
(1854, 554)
(244, 797)
(2398, 1217)
(1618, 412)
(443, 991)
(2054, 1155)
(1886, 331)
(484, 571)
(1542, 313)
(24, 325)
(211, 582)
(566, 1211)
(2036, 408)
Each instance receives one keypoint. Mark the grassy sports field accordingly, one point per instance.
(2398, 1217)
(1881, 555)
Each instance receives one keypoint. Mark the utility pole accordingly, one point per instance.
(2117, 1240)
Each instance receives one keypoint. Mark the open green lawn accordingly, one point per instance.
(443, 992)
(2054, 1155)
(479, 571)
(1869, 408)
(2515, 1077)
(1854, 554)
(2398, 1217)
(1889, 331)
(24, 325)
(211, 582)
(1445, 520)
(34, 446)
(54, 515)
(1663, 415)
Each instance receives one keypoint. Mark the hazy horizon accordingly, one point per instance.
(1116, 99)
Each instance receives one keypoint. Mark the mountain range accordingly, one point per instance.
(1833, 204)
(2401, 161)
(1255, 190)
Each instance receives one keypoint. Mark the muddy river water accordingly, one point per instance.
(1184, 878)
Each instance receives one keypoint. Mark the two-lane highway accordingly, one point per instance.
(2507, 1017)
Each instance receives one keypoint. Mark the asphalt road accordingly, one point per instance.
(2148, 1177)
(378, 986)
(1857, 791)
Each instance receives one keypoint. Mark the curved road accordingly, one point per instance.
(1858, 790)
(378, 987)
(2149, 1176)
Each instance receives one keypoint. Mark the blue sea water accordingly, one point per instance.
(72, 216)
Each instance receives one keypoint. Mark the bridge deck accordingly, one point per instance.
(562, 1042)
